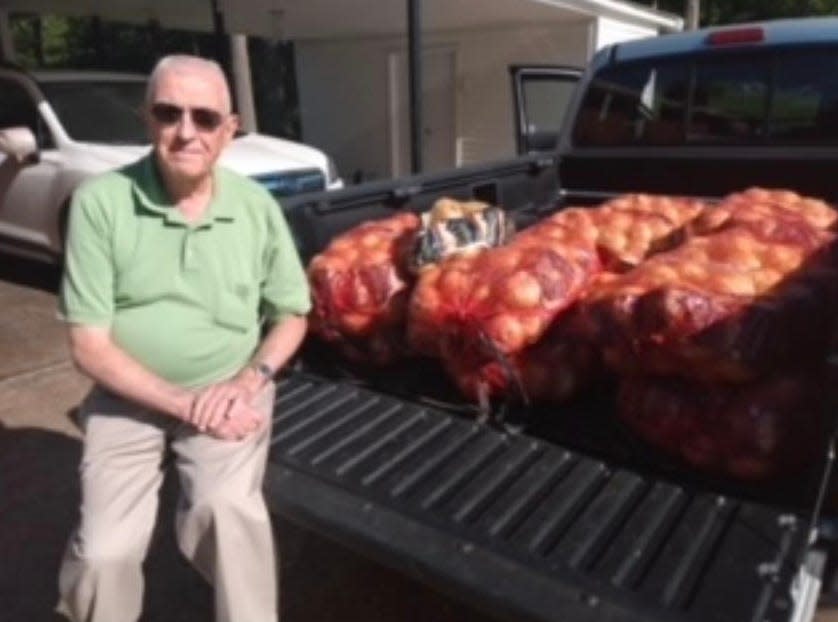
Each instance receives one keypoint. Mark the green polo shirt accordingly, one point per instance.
(184, 299)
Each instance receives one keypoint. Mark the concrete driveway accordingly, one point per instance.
(39, 454)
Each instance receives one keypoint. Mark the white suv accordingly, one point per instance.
(58, 128)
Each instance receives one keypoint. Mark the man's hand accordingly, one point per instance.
(240, 421)
(225, 409)
(212, 403)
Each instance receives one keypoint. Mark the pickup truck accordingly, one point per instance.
(557, 513)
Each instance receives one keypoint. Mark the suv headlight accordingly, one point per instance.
(289, 183)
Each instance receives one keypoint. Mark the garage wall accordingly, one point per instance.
(343, 91)
(486, 108)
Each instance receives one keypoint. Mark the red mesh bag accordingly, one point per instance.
(749, 299)
(561, 365)
(554, 369)
(756, 205)
(480, 313)
(360, 288)
(677, 210)
(568, 358)
(482, 309)
(751, 432)
(556, 365)
(624, 230)
(634, 226)
(497, 301)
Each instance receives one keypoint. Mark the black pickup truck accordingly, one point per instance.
(558, 513)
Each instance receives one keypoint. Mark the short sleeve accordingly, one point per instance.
(285, 288)
(87, 287)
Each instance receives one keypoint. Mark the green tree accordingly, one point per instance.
(733, 11)
(275, 87)
(91, 43)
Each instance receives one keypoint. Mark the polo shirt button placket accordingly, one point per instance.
(188, 251)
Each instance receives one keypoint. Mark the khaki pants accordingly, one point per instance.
(222, 524)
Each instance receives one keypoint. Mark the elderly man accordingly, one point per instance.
(172, 266)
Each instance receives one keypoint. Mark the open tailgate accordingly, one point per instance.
(522, 528)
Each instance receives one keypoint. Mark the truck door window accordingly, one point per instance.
(545, 102)
(639, 104)
(729, 100)
(804, 108)
(541, 95)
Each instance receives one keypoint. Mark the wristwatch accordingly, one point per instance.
(263, 369)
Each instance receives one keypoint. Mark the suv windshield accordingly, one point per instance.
(99, 111)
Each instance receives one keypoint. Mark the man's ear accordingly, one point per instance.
(233, 124)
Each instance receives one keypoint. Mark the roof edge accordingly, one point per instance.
(647, 16)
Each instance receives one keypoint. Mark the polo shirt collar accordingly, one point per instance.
(152, 195)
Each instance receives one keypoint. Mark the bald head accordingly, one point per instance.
(193, 66)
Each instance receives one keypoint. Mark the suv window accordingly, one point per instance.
(17, 108)
(789, 95)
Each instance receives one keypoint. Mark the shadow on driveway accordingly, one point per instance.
(321, 581)
(29, 273)
(39, 497)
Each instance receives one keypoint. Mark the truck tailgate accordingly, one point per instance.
(518, 527)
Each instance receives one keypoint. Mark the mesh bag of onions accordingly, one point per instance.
(754, 431)
(752, 297)
(360, 287)
(362, 281)
(482, 314)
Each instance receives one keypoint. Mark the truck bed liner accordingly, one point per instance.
(521, 528)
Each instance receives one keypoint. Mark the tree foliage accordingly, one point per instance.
(733, 11)
(90, 43)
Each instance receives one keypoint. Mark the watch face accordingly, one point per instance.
(265, 370)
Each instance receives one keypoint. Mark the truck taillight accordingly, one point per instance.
(736, 36)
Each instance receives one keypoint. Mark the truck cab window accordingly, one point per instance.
(639, 105)
(804, 109)
(729, 100)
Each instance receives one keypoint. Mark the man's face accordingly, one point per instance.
(189, 123)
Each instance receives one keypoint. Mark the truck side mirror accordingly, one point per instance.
(19, 144)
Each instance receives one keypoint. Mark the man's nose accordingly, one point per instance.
(185, 127)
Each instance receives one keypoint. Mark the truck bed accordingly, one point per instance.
(557, 514)
(521, 527)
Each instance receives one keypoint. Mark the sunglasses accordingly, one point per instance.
(205, 119)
